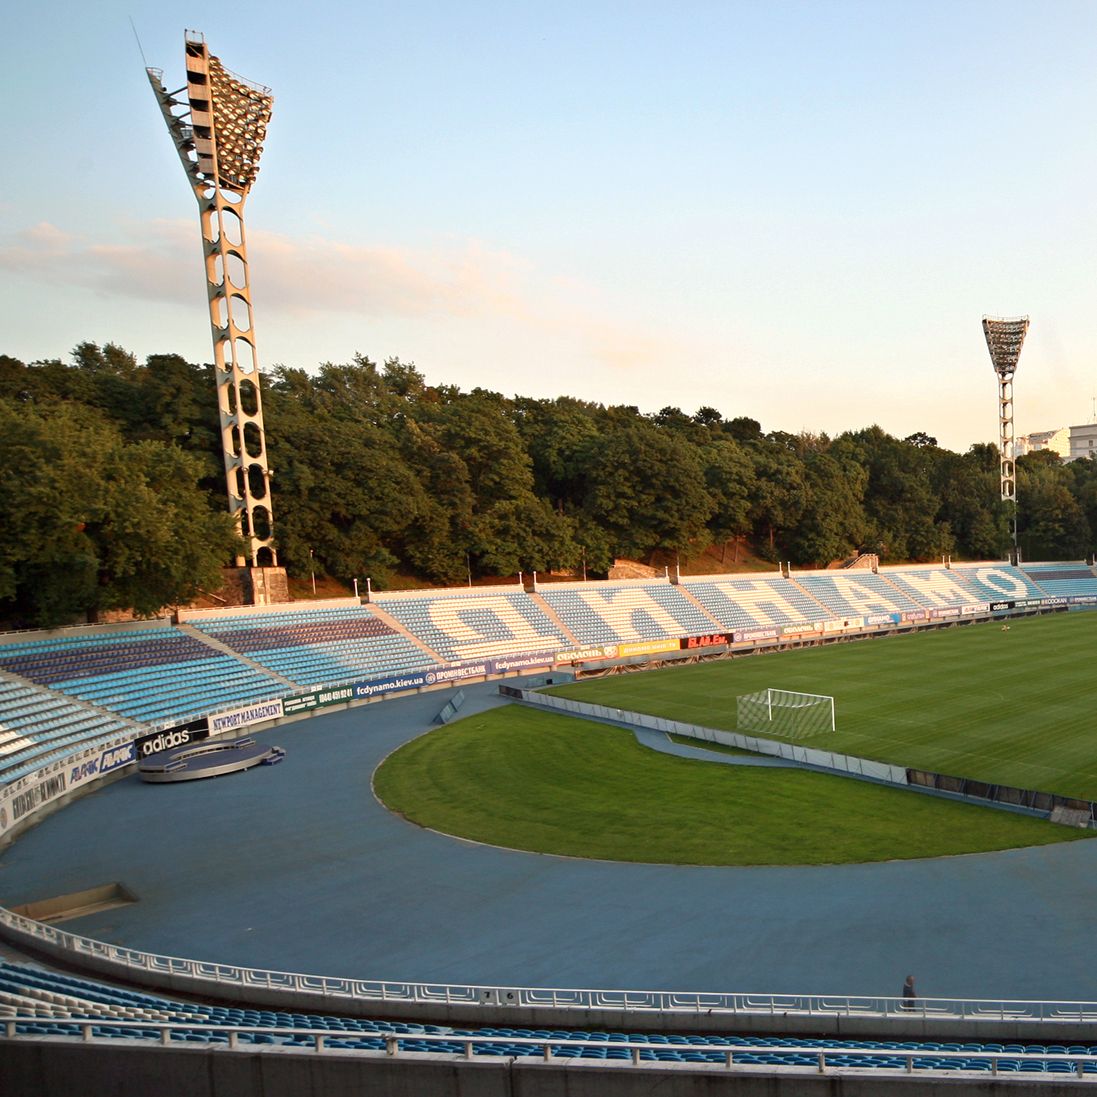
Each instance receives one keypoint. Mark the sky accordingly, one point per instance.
(793, 211)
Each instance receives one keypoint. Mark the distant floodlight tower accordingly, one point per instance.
(1005, 337)
(218, 130)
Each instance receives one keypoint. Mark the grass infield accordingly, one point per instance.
(534, 780)
(1011, 708)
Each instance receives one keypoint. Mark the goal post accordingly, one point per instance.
(785, 713)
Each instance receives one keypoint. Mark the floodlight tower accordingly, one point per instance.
(1005, 337)
(218, 123)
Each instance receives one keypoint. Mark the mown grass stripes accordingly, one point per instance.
(1016, 707)
(535, 780)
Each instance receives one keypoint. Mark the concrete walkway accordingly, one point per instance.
(662, 742)
(297, 867)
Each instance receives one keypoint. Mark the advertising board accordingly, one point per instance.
(843, 624)
(242, 717)
(317, 698)
(745, 636)
(116, 757)
(177, 736)
(883, 619)
(583, 655)
(457, 672)
(506, 663)
(647, 647)
(713, 640)
(804, 628)
(395, 683)
(32, 797)
(97, 763)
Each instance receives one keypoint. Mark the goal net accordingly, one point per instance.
(784, 713)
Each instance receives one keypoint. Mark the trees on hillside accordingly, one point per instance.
(93, 523)
(646, 489)
(113, 485)
(1051, 523)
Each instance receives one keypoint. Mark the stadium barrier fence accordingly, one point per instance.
(647, 1009)
(724, 1056)
(793, 752)
(1007, 795)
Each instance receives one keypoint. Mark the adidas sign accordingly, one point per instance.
(164, 740)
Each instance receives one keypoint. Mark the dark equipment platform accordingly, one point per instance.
(207, 759)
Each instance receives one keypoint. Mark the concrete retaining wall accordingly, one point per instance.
(107, 1069)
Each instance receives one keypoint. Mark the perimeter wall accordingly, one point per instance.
(105, 1069)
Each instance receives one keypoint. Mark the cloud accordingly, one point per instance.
(303, 276)
(159, 261)
(317, 274)
(48, 254)
(35, 249)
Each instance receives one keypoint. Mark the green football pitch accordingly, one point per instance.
(534, 780)
(1016, 707)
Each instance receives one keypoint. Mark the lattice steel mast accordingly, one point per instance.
(1005, 337)
(218, 123)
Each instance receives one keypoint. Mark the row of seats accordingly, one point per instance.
(39, 725)
(993, 583)
(280, 629)
(87, 656)
(50, 1003)
(320, 665)
(1064, 580)
(23, 754)
(614, 615)
(859, 594)
(804, 600)
(158, 694)
(475, 626)
(742, 604)
(319, 646)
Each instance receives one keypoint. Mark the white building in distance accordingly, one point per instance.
(1083, 441)
(1058, 441)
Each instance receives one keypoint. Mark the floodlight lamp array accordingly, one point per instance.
(228, 119)
(241, 112)
(1005, 336)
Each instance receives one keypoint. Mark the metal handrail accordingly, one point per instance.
(683, 1003)
(471, 1042)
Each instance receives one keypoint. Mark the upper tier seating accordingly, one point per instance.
(474, 625)
(38, 726)
(155, 675)
(995, 582)
(741, 604)
(49, 1003)
(316, 646)
(608, 614)
(1063, 580)
(857, 593)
